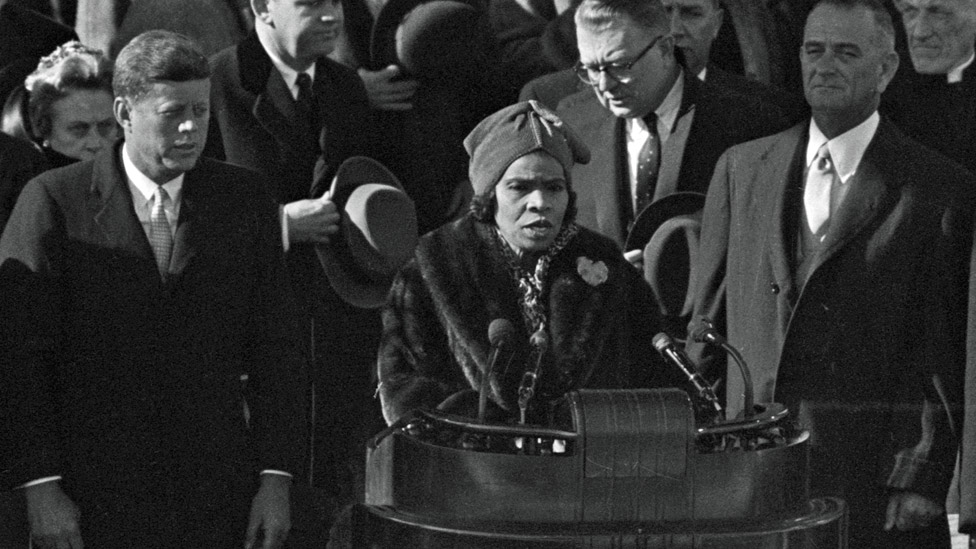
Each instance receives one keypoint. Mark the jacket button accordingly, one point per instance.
(774, 287)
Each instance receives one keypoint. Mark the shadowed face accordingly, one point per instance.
(302, 30)
(639, 89)
(82, 124)
(694, 26)
(940, 33)
(166, 129)
(532, 198)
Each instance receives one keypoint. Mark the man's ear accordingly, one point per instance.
(261, 12)
(889, 66)
(123, 113)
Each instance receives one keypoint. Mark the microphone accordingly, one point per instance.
(709, 403)
(705, 332)
(540, 342)
(500, 332)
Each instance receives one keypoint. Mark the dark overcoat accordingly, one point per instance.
(867, 349)
(435, 325)
(716, 119)
(255, 123)
(129, 387)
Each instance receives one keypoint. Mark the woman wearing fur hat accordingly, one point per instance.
(580, 311)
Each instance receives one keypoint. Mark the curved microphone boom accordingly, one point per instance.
(709, 404)
(500, 332)
(540, 342)
(705, 332)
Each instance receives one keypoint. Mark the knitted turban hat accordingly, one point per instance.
(514, 132)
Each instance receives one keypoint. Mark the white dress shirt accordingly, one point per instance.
(846, 152)
(955, 75)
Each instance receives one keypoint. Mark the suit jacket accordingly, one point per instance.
(130, 387)
(254, 124)
(710, 120)
(866, 350)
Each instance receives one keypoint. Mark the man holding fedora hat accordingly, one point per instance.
(281, 107)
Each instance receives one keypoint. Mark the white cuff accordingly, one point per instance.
(38, 481)
(284, 226)
(276, 472)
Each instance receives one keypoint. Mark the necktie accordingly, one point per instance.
(816, 192)
(305, 106)
(160, 236)
(305, 98)
(648, 162)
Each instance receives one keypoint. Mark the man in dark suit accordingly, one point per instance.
(19, 162)
(936, 102)
(652, 127)
(280, 107)
(138, 288)
(834, 256)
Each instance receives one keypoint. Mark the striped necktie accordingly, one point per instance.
(160, 236)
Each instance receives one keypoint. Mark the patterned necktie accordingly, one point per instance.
(648, 162)
(816, 192)
(160, 236)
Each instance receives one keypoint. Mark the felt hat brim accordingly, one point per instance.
(659, 211)
(391, 217)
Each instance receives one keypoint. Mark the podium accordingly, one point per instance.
(630, 469)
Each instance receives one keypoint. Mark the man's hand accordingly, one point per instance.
(53, 517)
(385, 94)
(635, 258)
(911, 511)
(270, 513)
(312, 220)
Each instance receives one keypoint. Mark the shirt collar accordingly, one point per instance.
(955, 75)
(289, 74)
(847, 149)
(146, 186)
(667, 113)
(703, 73)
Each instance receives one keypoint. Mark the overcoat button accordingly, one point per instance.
(774, 287)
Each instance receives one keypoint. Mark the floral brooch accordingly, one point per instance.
(593, 273)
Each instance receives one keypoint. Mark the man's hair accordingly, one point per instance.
(882, 18)
(154, 56)
(595, 14)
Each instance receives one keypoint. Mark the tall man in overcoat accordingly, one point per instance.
(137, 289)
(263, 119)
(834, 256)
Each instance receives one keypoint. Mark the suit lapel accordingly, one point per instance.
(188, 223)
(784, 162)
(869, 191)
(600, 196)
(111, 205)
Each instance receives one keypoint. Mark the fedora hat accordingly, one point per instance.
(667, 231)
(430, 39)
(377, 232)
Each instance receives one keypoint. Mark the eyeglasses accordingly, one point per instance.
(621, 72)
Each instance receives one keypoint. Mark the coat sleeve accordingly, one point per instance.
(31, 336)
(932, 382)
(275, 363)
(709, 278)
(415, 366)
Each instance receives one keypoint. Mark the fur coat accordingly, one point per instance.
(435, 324)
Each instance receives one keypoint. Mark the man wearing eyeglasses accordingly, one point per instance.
(653, 128)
